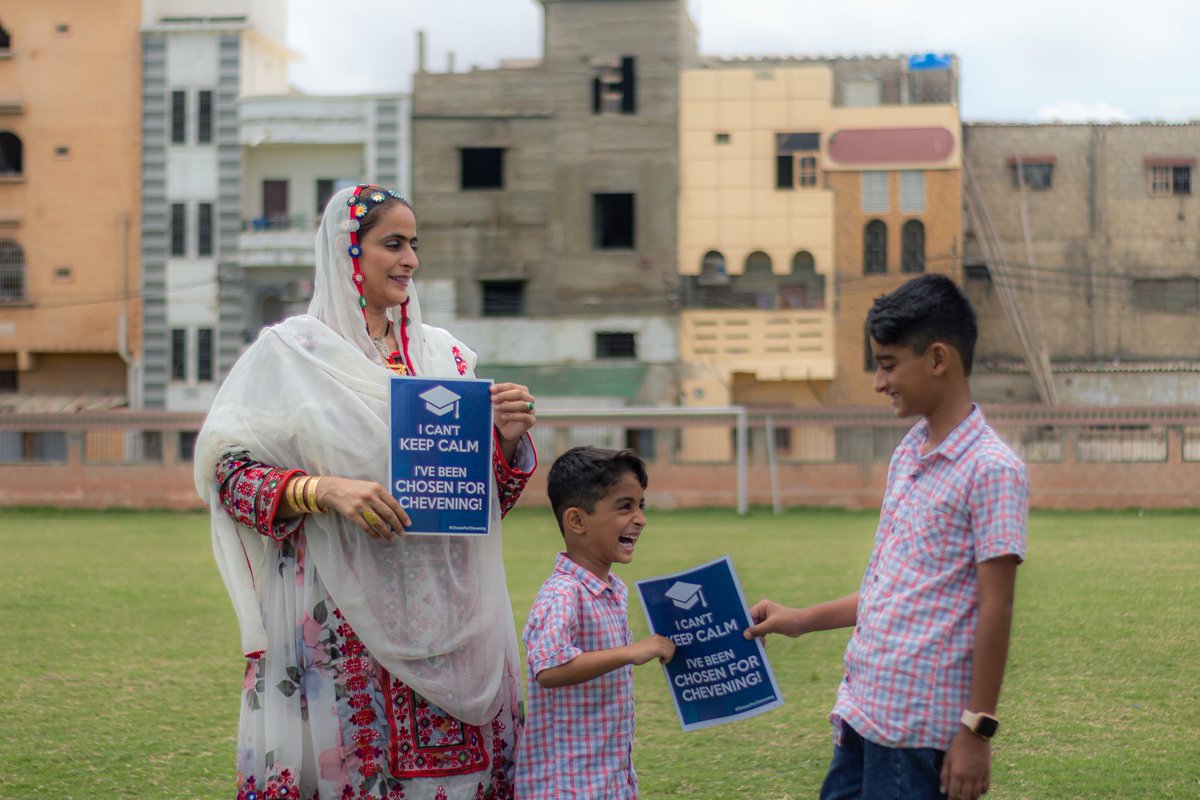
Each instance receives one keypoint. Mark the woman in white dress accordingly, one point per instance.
(378, 665)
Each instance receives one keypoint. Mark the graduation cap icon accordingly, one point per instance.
(685, 595)
(440, 401)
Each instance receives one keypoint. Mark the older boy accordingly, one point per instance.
(578, 738)
(916, 708)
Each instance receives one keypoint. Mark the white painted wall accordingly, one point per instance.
(299, 119)
(192, 173)
(192, 60)
(191, 293)
(300, 166)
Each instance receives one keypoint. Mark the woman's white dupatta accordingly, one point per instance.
(312, 393)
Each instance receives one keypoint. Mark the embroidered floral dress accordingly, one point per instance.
(320, 718)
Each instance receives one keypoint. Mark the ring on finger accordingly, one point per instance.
(371, 518)
(529, 406)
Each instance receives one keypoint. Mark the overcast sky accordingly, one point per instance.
(1021, 60)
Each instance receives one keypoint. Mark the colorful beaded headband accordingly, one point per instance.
(360, 205)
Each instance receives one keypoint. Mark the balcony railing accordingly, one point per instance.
(774, 345)
(284, 222)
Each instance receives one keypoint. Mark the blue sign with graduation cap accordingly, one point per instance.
(441, 453)
(716, 675)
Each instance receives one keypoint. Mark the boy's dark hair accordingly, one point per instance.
(582, 475)
(925, 310)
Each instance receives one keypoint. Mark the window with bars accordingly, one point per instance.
(875, 247)
(503, 298)
(874, 192)
(204, 229)
(204, 116)
(1172, 179)
(12, 270)
(178, 229)
(912, 191)
(178, 117)
(783, 440)
(187, 445)
(912, 237)
(179, 354)
(204, 354)
(1036, 175)
(806, 172)
(616, 344)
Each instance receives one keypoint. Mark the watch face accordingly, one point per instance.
(986, 726)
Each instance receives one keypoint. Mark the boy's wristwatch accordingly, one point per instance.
(980, 724)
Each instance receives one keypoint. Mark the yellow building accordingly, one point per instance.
(807, 189)
(70, 145)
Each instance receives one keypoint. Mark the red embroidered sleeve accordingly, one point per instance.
(250, 493)
(510, 481)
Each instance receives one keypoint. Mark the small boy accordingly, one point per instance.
(915, 711)
(578, 738)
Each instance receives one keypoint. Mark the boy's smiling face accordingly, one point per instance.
(610, 532)
(906, 377)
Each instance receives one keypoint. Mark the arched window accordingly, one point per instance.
(10, 154)
(913, 246)
(712, 270)
(757, 283)
(803, 263)
(875, 247)
(12, 270)
(758, 265)
(804, 289)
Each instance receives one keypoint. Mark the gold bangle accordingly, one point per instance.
(300, 489)
(301, 486)
(320, 508)
(293, 484)
(310, 497)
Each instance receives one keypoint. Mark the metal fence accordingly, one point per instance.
(720, 456)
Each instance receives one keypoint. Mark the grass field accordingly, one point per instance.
(120, 675)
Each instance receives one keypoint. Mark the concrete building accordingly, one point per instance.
(807, 189)
(1081, 253)
(198, 59)
(546, 193)
(69, 211)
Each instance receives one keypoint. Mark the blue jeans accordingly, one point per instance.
(863, 770)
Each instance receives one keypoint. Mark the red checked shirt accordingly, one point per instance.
(578, 740)
(908, 663)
